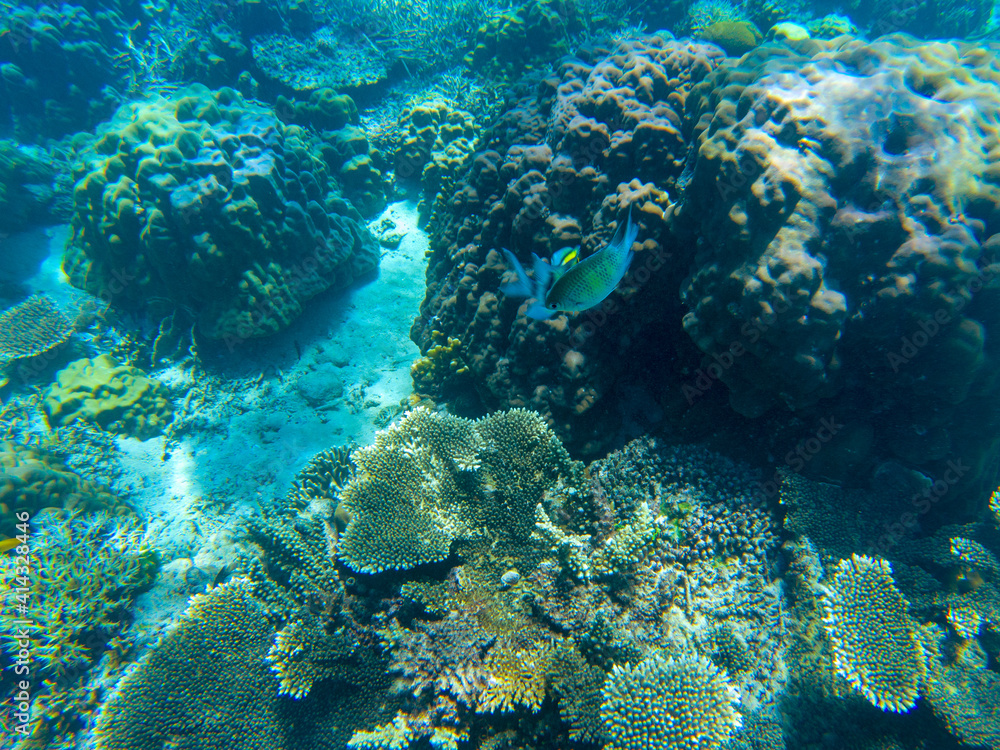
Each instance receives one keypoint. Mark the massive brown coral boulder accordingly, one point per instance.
(561, 168)
(817, 219)
(208, 203)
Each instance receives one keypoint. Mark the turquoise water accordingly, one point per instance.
(288, 459)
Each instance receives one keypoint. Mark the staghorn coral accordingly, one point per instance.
(207, 203)
(30, 329)
(112, 396)
(69, 609)
(702, 14)
(431, 479)
(875, 644)
(669, 705)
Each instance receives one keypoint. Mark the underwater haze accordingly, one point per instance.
(462, 375)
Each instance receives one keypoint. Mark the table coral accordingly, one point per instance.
(664, 704)
(432, 479)
(30, 329)
(110, 395)
(204, 202)
(875, 643)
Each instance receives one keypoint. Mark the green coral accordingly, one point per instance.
(703, 13)
(875, 642)
(110, 395)
(968, 701)
(26, 187)
(538, 30)
(189, 687)
(432, 479)
(663, 704)
(975, 556)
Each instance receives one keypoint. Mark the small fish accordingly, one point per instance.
(573, 285)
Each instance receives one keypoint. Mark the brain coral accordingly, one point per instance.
(875, 643)
(204, 202)
(113, 396)
(662, 704)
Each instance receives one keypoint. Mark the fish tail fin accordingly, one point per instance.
(522, 287)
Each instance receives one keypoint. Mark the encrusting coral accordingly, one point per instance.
(110, 395)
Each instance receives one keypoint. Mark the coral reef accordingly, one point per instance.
(31, 329)
(32, 479)
(435, 141)
(535, 31)
(209, 204)
(345, 146)
(816, 272)
(28, 194)
(58, 71)
(85, 572)
(663, 703)
(108, 394)
(546, 179)
(875, 643)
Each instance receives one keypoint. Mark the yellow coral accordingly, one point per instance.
(105, 393)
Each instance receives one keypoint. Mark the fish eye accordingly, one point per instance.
(552, 305)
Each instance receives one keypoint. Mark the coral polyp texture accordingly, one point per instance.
(206, 203)
(433, 478)
(875, 641)
(827, 213)
(667, 704)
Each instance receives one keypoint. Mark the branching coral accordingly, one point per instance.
(432, 479)
(663, 704)
(875, 643)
